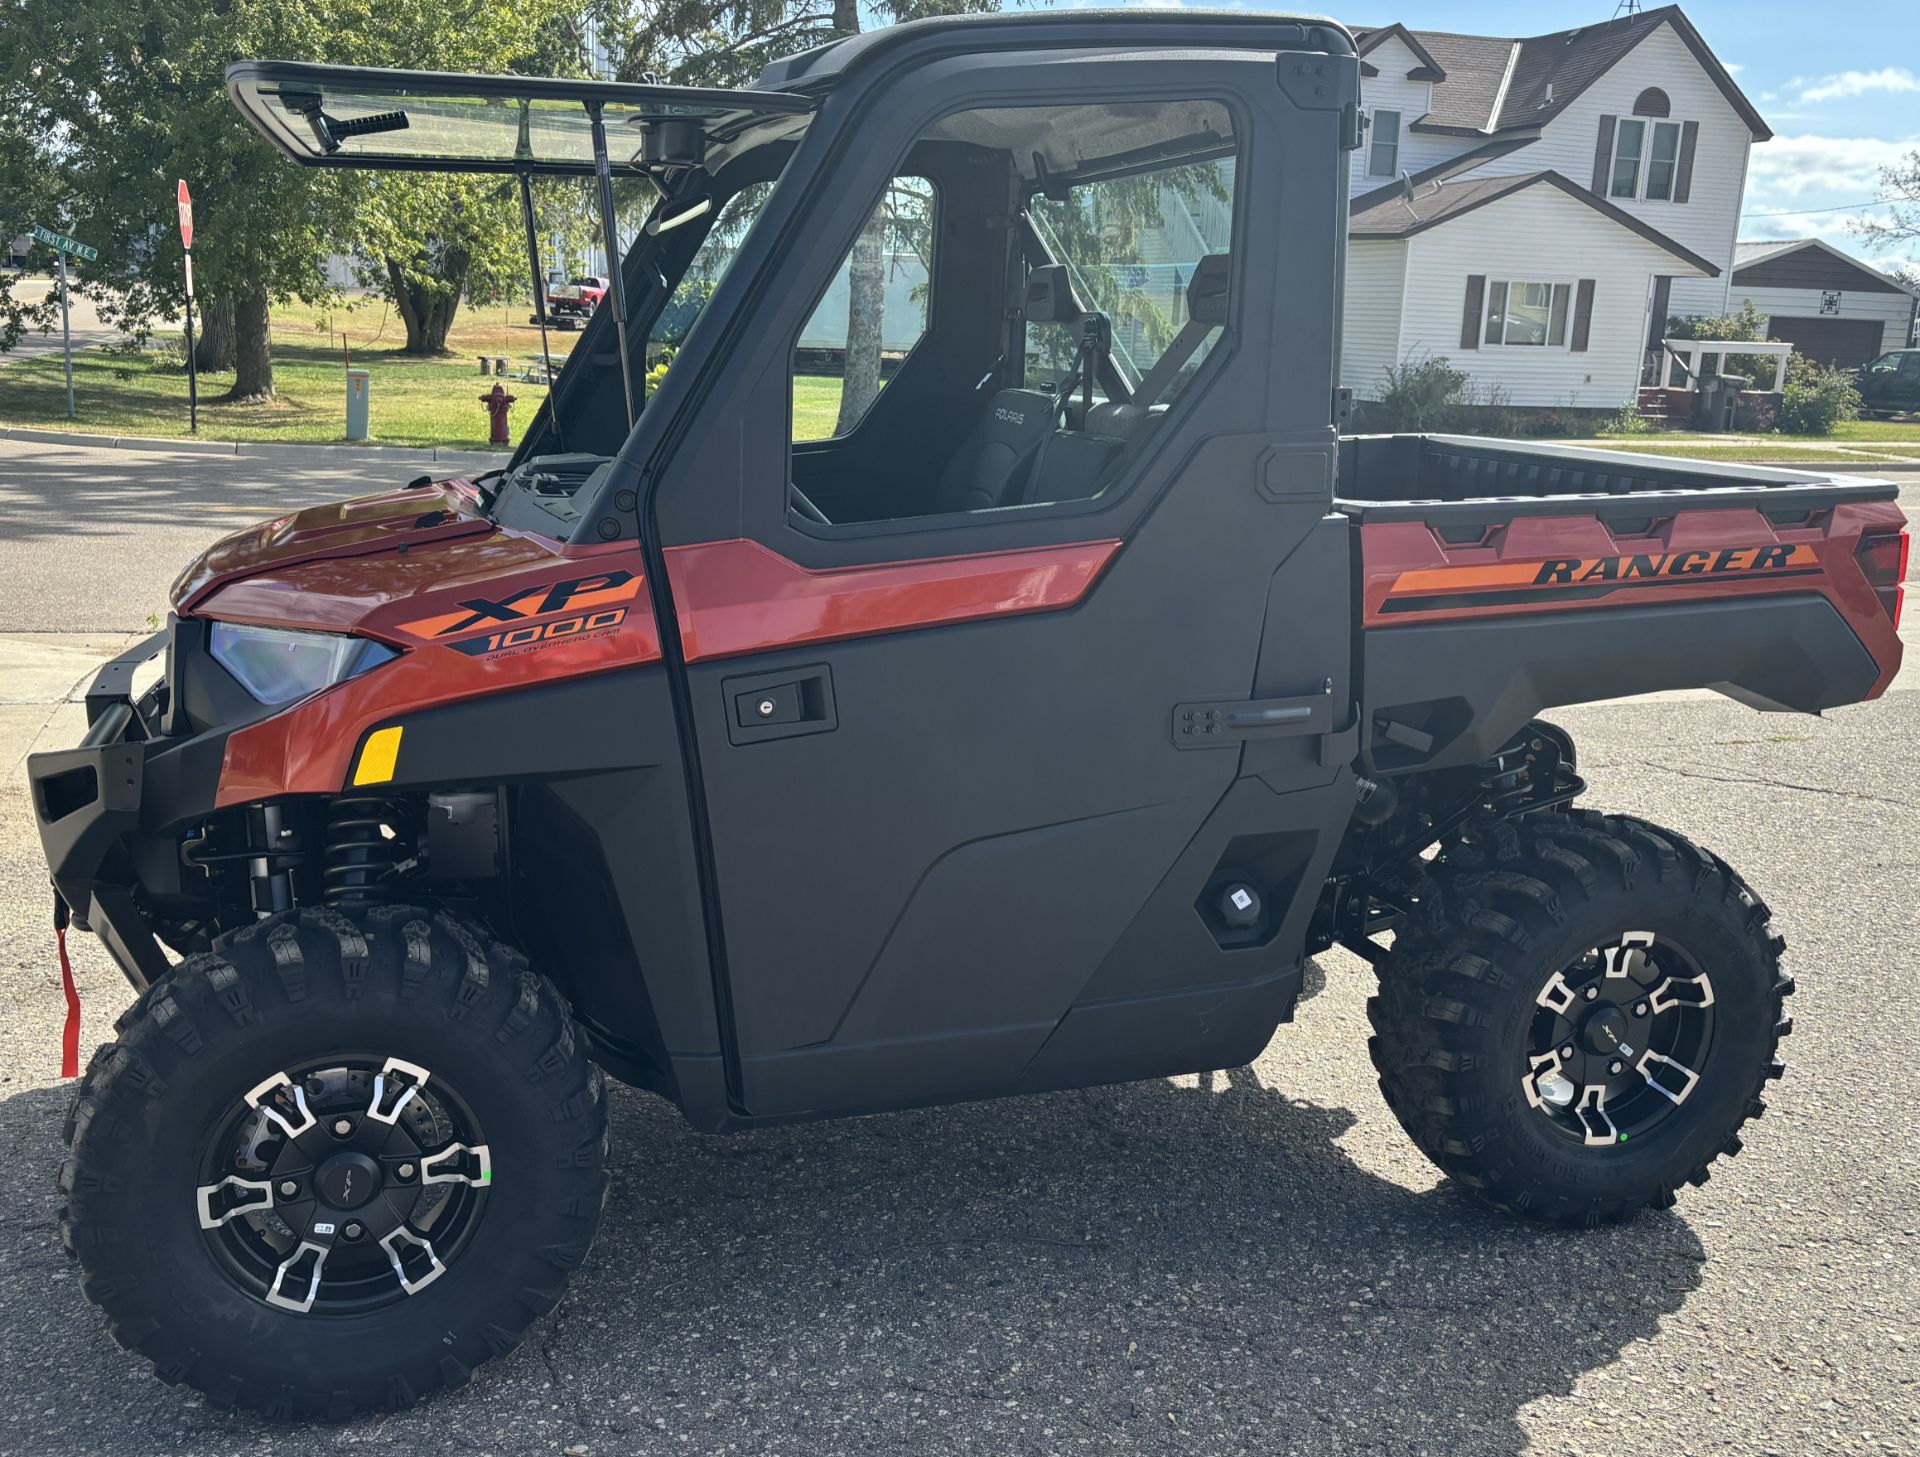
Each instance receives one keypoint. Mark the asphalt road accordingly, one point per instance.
(1254, 1262)
(87, 329)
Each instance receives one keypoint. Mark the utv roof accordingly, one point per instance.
(367, 116)
(1094, 29)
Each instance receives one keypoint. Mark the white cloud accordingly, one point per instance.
(1858, 83)
(1788, 168)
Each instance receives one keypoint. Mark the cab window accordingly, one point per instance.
(1059, 331)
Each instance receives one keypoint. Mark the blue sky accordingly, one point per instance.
(1839, 84)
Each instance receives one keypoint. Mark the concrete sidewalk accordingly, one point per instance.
(304, 451)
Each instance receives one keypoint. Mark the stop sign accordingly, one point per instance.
(186, 215)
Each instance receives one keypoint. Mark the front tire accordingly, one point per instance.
(1580, 1015)
(337, 1164)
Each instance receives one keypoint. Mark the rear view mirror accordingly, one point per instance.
(670, 215)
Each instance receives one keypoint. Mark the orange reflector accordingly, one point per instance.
(378, 755)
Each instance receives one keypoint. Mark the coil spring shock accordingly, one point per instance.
(359, 858)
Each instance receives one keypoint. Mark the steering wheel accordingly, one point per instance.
(798, 503)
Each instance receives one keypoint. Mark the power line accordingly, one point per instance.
(1807, 212)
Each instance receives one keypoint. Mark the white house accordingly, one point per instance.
(1827, 305)
(1534, 209)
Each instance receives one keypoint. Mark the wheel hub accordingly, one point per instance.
(1618, 1040)
(343, 1186)
(1607, 1032)
(347, 1180)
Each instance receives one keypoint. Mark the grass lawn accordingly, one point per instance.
(1859, 461)
(415, 401)
(816, 405)
(1904, 431)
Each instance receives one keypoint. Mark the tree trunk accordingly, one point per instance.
(846, 16)
(428, 312)
(215, 343)
(253, 348)
(866, 321)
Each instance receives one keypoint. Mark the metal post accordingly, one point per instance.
(540, 302)
(193, 368)
(66, 330)
(611, 237)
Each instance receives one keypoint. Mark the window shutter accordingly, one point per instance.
(1582, 315)
(1470, 315)
(1603, 155)
(1683, 175)
(1657, 316)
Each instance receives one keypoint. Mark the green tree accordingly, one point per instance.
(118, 98)
(1900, 191)
(1746, 322)
(29, 193)
(429, 240)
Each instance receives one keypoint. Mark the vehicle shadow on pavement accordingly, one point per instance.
(1152, 1267)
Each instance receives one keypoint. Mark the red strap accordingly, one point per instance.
(70, 1029)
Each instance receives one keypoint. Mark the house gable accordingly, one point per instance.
(1813, 264)
(1577, 140)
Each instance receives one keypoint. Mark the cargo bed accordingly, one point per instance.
(1461, 478)
(1499, 579)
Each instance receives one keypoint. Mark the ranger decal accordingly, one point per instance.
(1566, 579)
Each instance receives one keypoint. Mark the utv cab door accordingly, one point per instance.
(1015, 738)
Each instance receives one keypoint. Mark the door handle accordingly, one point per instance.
(782, 705)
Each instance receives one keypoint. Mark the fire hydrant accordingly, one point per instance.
(497, 401)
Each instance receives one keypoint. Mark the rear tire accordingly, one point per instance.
(1504, 931)
(305, 991)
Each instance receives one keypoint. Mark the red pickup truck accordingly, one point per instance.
(574, 301)
(1030, 732)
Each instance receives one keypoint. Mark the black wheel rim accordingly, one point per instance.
(1619, 1040)
(343, 1184)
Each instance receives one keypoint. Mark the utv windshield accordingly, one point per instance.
(362, 116)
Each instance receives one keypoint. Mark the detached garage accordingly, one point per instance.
(1828, 306)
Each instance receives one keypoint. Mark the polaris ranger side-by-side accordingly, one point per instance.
(1021, 722)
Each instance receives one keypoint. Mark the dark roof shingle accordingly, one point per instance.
(1533, 78)
(1384, 214)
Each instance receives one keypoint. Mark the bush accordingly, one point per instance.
(1747, 323)
(1627, 420)
(1421, 396)
(1817, 398)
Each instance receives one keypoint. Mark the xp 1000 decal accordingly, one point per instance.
(534, 616)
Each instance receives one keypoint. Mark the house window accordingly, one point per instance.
(1532, 314)
(1663, 160)
(1629, 141)
(1646, 159)
(1383, 155)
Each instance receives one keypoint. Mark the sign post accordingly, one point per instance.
(63, 245)
(185, 200)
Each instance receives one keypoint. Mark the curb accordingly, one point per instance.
(250, 447)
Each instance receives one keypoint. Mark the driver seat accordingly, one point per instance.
(991, 465)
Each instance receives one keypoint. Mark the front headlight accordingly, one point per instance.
(276, 665)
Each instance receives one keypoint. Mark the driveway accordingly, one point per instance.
(1251, 1262)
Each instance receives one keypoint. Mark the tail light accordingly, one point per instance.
(1883, 561)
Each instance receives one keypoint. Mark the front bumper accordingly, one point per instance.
(100, 805)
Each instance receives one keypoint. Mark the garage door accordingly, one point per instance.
(1846, 342)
